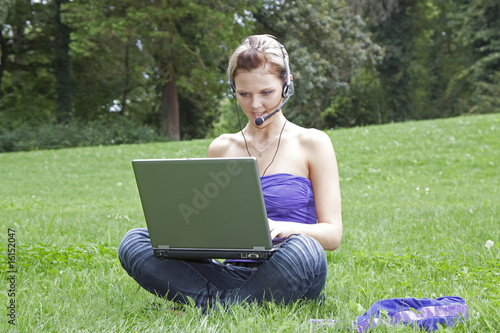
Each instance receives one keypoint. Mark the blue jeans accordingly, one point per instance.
(296, 270)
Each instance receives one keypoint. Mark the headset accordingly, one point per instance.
(288, 89)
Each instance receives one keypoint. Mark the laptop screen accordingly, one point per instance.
(213, 203)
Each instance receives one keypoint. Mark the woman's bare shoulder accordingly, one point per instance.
(310, 137)
(220, 145)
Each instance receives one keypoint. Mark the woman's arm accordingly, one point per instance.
(323, 173)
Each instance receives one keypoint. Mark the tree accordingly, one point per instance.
(25, 69)
(62, 66)
(188, 41)
(480, 30)
(5, 7)
(374, 11)
(362, 104)
(183, 44)
(327, 45)
(420, 60)
(108, 61)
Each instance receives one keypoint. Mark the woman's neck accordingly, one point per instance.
(266, 133)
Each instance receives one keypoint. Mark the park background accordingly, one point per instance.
(118, 80)
(76, 73)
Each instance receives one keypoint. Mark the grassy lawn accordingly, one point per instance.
(420, 202)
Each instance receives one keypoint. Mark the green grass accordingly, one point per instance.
(420, 200)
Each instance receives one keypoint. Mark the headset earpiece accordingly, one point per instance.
(232, 87)
(288, 89)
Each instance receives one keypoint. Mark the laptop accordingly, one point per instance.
(204, 208)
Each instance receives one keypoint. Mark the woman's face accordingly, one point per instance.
(258, 93)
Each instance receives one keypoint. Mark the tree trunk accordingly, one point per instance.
(126, 86)
(62, 67)
(170, 111)
(3, 60)
(379, 111)
(19, 53)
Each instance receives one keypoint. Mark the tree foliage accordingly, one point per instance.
(26, 79)
(177, 45)
(62, 65)
(427, 70)
(480, 31)
(327, 45)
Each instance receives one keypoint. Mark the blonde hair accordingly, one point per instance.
(257, 51)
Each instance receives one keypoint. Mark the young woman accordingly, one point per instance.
(300, 184)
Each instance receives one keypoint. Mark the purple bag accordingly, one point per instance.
(424, 313)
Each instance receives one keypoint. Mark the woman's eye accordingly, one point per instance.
(243, 94)
(267, 92)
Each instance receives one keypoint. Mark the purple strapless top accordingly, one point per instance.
(289, 198)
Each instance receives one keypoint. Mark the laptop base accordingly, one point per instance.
(189, 254)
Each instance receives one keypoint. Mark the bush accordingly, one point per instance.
(76, 134)
(227, 120)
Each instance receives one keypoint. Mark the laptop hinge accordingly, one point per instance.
(259, 248)
(163, 247)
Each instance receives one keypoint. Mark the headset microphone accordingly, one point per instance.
(260, 121)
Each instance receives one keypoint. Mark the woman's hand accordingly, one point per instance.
(281, 229)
